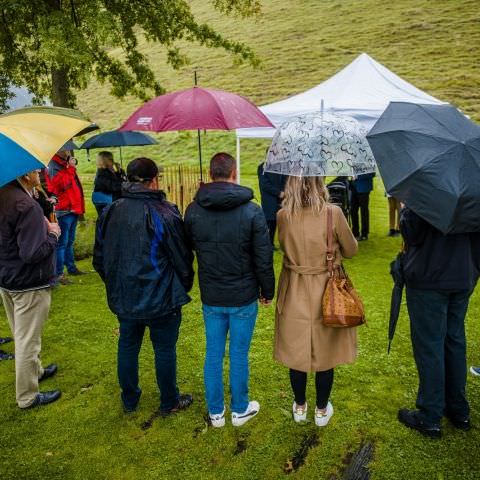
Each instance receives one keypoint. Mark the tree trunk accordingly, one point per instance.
(60, 87)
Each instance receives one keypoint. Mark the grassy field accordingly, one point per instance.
(436, 46)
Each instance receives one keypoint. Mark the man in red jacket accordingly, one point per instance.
(63, 182)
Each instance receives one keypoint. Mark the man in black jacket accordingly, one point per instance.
(235, 267)
(141, 255)
(28, 242)
(440, 272)
(271, 189)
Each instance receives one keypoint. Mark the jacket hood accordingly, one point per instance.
(222, 195)
(137, 190)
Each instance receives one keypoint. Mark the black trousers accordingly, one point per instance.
(360, 202)
(323, 386)
(437, 327)
(272, 226)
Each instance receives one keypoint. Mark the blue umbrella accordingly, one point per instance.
(115, 138)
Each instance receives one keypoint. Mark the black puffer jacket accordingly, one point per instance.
(109, 182)
(230, 236)
(142, 256)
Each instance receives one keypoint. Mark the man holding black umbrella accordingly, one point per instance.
(440, 272)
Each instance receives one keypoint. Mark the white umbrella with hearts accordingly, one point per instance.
(318, 145)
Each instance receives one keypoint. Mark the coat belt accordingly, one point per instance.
(304, 270)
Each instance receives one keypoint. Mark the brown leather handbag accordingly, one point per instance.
(341, 305)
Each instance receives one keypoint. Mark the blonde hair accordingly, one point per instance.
(304, 192)
(104, 158)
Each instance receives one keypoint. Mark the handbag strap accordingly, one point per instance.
(330, 255)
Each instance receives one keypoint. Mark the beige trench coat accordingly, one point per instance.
(301, 340)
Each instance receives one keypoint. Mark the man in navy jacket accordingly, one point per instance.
(362, 185)
(141, 255)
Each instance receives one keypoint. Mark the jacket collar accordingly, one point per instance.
(137, 190)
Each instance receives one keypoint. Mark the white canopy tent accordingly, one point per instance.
(362, 90)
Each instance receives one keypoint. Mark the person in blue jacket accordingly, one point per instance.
(362, 185)
(271, 188)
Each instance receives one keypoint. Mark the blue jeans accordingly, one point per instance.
(68, 225)
(218, 321)
(437, 326)
(163, 335)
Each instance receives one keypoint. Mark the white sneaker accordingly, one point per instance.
(321, 419)
(217, 420)
(300, 413)
(239, 419)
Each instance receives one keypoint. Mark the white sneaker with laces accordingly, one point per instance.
(239, 419)
(322, 419)
(218, 419)
(299, 413)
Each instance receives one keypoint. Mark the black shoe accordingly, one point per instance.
(6, 356)
(363, 238)
(184, 401)
(77, 272)
(4, 340)
(44, 398)
(410, 419)
(63, 280)
(129, 409)
(49, 371)
(459, 422)
(391, 233)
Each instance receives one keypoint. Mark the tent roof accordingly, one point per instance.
(362, 90)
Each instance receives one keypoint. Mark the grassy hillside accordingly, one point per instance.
(434, 45)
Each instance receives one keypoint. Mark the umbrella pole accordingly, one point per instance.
(200, 155)
(121, 157)
(199, 138)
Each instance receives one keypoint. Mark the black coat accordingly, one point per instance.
(109, 182)
(230, 236)
(434, 261)
(141, 254)
(27, 250)
(271, 186)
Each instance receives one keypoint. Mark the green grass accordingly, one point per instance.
(86, 436)
(434, 45)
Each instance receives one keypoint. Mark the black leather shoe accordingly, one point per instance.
(460, 423)
(44, 398)
(184, 401)
(49, 371)
(410, 418)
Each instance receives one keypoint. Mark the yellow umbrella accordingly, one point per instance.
(32, 135)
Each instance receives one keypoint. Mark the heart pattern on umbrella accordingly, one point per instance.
(320, 144)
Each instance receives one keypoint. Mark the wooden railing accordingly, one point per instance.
(180, 183)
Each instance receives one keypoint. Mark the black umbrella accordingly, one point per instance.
(429, 158)
(396, 271)
(115, 138)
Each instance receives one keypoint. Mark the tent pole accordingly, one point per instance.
(238, 160)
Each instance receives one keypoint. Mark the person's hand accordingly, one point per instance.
(264, 302)
(72, 162)
(53, 228)
(52, 200)
(402, 205)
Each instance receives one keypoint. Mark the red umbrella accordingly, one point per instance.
(198, 109)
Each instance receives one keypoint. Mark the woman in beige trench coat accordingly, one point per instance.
(302, 343)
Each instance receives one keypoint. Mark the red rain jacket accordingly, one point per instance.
(63, 182)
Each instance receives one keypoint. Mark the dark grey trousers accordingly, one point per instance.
(437, 323)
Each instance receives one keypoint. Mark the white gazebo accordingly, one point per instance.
(362, 90)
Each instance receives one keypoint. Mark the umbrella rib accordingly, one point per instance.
(438, 121)
(220, 106)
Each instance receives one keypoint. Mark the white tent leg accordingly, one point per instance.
(238, 160)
